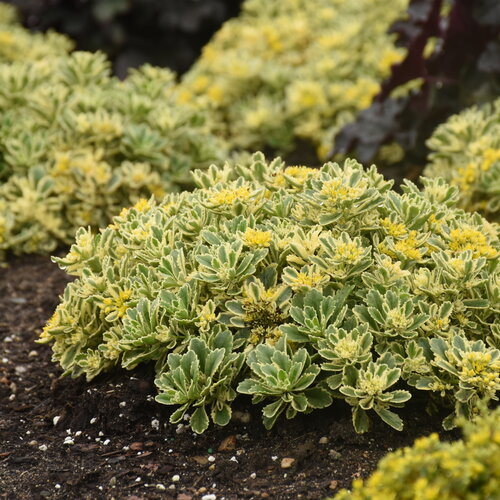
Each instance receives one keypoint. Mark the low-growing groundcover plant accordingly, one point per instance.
(465, 150)
(77, 145)
(294, 285)
(294, 70)
(467, 469)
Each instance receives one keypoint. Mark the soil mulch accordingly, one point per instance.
(64, 438)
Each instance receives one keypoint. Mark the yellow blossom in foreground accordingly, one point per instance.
(256, 238)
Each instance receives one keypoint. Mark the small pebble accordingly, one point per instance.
(286, 463)
(33, 443)
(171, 487)
(210, 496)
(323, 440)
(93, 420)
(211, 467)
(56, 419)
(43, 447)
(333, 485)
(211, 458)
(155, 424)
(160, 487)
(175, 478)
(122, 404)
(57, 486)
(253, 475)
(32, 354)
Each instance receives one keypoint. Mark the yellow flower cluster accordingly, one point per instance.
(465, 150)
(255, 238)
(117, 304)
(466, 238)
(294, 70)
(229, 196)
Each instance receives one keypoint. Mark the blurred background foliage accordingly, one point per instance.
(167, 33)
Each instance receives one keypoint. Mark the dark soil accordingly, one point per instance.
(119, 443)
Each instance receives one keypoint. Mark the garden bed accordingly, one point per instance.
(119, 443)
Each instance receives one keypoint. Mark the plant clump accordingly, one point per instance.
(465, 150)
(295, 286)
(77, 145)
(294, 70)
(430, 469)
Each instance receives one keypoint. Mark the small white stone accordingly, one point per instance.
(210, 496)
(57, 486)
(155, 424)
(211, 458)
(5, 360)
(32, 354)
(78, 433)
(274, 458)
(323, 440)
(125, 448)
(171, 487)
(56, 419)
(12, 397)
(160, 487)
(43, 447)
(175, 478)
(93, 420)
(101, 434)
(68, 440)
(170, 450)
(123, 404)
(233, 459)
(138, 480)
(106, 442)
(253, 475)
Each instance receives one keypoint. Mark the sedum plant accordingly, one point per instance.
(77, 145)
(293, 71)
(467, 469)
(465, 150)
(293, 285)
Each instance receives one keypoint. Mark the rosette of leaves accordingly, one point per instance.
(77, 145)
(466, 468)
(290, 73)
(465, 150)
(324, 284)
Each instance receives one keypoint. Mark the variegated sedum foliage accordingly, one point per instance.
(18, 44)
(294, 70)
(467, 469)
(295, 286)
(77, 145)
(465, 150)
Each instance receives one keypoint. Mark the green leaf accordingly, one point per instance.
(390, 418)
(360, 420)
(199, 420)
